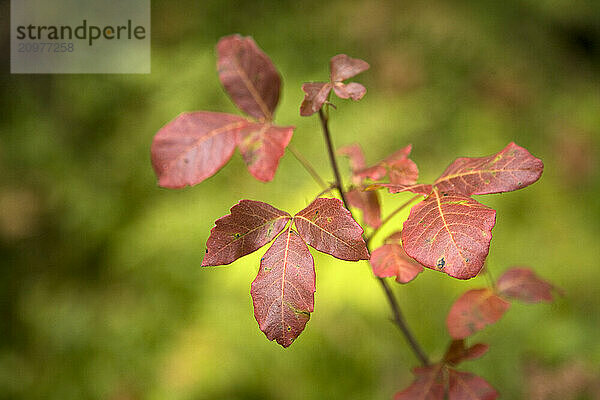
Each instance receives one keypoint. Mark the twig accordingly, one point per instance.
(398, 317)
(332, 159)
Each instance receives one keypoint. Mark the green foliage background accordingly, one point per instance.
(101, 291)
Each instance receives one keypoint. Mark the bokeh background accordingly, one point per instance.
(101, 291)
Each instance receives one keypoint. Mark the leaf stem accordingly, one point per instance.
(396, 312)
(322, 192)
(488, 275)
(389, 217)
(307, 166)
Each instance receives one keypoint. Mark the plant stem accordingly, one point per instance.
(389, 217)
(332, 159)
(402, 325)
(307, 166)
(396, 312)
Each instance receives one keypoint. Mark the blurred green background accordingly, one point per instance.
(102, 295)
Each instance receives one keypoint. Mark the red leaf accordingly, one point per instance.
(467, 386)
(428, 385)
(193, 147)
(511, 169)
(449, 232)
(523, 284)
(403, 172)
(262, 145)
(368, 203)
(328, 227)
(352, 90)
(473, 311)
(316, 95)
(421, 189)
(457, 352)
(251, 225)
(283, 291)
(391, 260)
(379, 170)
(355, 155)
(249, 76)
(343, 67)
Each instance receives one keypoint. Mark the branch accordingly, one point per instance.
(398, 317)
(332, 159)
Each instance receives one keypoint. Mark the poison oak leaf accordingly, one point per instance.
(391, 260)
(352, 90)
(457, 352)
(403, 172)
(249, 76)
(510, 169)
(449, 232)
(315, 97)
(283, 291)
(368, 203)
(262, 146)
(428, 384)
(251, 225)
(467, 386)
(355, 156)
(473, 311)
(394, 161)
(327, 226)
(193, 147)
(343, 67)
(523, 284)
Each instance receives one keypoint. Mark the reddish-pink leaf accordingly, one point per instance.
(283, 291)
(262, 145)
(355, 155)
(251, 225)
(511, 169)
(428, 385)
(352, 90)
(473, 311)
(449, 232)
(457, 352)
(315, 97)
(249, 76)
(403, 172)
(379, 170)
(420, 188)
(328, 227)
(391, 260)
(467, 386)
(343, 67)
(368, 203)
(523, 284)
(193, 147)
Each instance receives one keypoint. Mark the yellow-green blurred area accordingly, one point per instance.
(102, 293)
